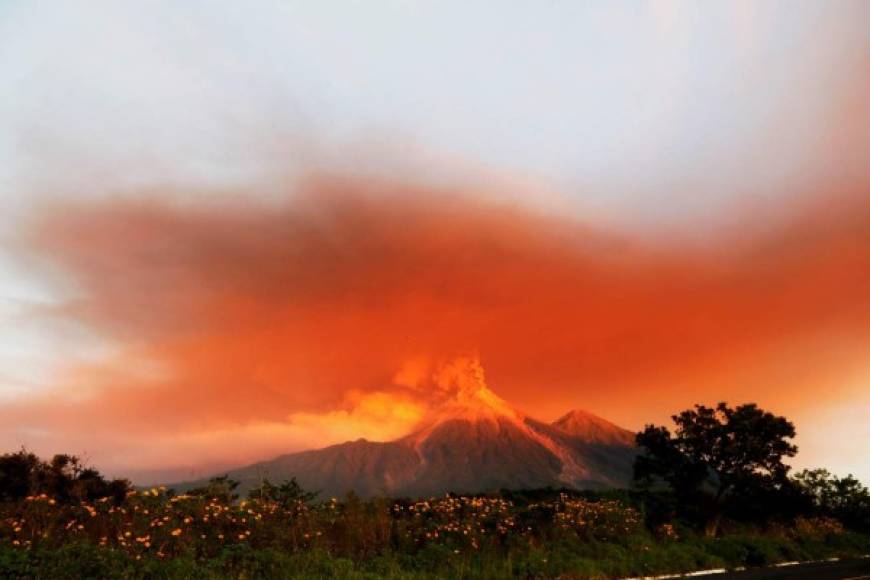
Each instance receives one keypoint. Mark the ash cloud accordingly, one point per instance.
(231, 319)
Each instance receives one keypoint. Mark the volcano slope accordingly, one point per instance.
(472, 442)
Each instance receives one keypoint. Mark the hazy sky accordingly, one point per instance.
(645, 121)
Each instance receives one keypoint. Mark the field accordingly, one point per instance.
(155, 534)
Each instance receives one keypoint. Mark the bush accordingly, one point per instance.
(154, 534)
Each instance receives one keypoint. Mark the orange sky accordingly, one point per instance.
(627, 208)
(243, 331)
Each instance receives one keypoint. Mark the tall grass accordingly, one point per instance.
(153, 534)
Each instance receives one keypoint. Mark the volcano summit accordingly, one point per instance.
(471, 441)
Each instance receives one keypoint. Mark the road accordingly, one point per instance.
(841, 570)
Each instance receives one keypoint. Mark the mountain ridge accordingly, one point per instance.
(473, 441)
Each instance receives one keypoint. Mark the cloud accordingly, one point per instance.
(280, 326)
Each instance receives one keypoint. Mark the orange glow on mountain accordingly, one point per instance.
(278, 324)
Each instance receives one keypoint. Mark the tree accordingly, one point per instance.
(288, 494)
(64, 479)
(843, 498)
(221, 488)
(717, 455)
(17, 474)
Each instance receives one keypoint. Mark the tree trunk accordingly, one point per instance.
(712, 527)
(718, 508)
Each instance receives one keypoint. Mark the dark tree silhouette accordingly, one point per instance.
(844, 498)
(716, 456)
(64, 479)
(289, 495)
(221, 488)
(17, 475)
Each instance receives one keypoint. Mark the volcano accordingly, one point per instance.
(471, 441)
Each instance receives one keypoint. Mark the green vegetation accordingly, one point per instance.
(720, 461)
(61, 520)
(154, 534)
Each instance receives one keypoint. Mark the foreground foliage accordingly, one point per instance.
(715, 493)
(282, 533)
(719, 460)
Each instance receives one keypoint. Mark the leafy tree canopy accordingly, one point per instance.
(221, 488)
(64, 478)
(716, 455)
(844, 498)
(288, 494)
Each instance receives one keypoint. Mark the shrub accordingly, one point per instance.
(817, 527)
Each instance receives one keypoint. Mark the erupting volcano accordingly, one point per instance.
(470, 441)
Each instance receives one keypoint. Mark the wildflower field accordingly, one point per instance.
(157, 534)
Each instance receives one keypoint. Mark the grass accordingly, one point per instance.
(155, 535)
